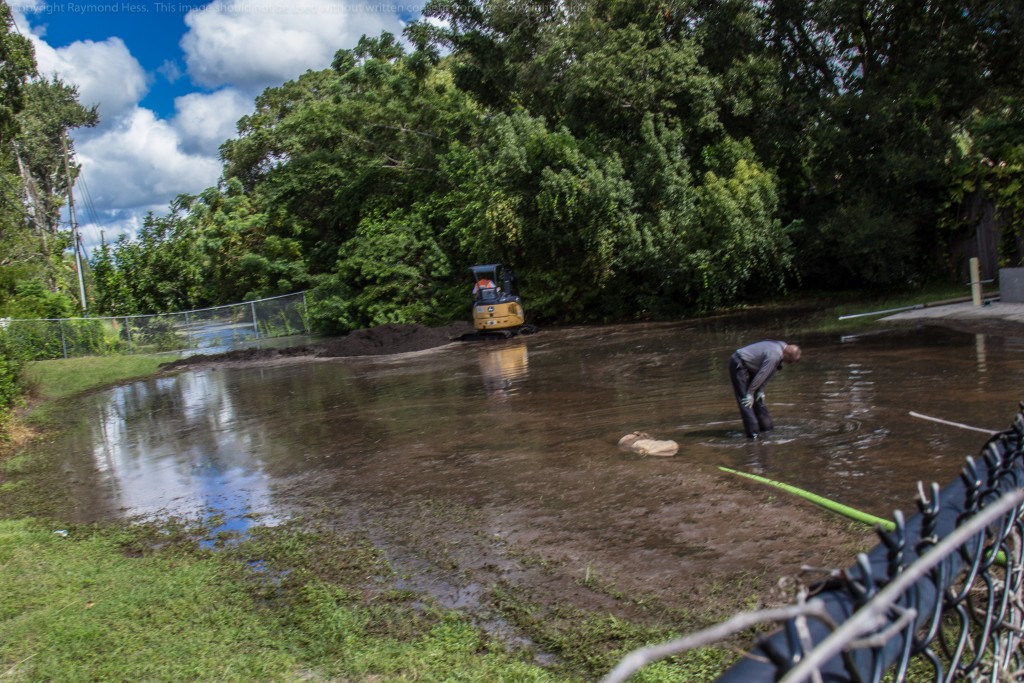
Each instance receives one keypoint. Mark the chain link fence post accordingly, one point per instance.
(219, 327)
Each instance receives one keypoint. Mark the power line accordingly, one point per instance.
(74, 227)
(90, 207)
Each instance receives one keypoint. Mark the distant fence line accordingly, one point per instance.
(220, 328)
(941, 598)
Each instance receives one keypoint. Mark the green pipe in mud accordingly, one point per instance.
(826, 503)
(829, 504)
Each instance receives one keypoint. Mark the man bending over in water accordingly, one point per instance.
(750, 369)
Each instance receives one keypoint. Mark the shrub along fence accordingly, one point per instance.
(10, 388)
(941, 598)
(216, 329)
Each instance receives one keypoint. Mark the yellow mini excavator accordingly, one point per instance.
(497, 311)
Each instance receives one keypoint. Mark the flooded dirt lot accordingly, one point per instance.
(494, 466)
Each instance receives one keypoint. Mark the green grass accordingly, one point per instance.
(78, 608)
(595, 643)
(147, 603)
(52, 379)
(294, 603)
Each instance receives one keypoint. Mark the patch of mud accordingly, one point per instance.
(375, 341)
(516, 505)
(696, 548)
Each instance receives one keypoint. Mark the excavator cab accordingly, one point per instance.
(497, 310)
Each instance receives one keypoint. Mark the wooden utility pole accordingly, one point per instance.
(975, 282)
(74, 224)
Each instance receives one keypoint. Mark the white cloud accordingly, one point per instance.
(136, 166)
(106, 73)
(111, 225)
(204, 121)
(170, 71)
(133, 162)
(140, 163)
(253, 44)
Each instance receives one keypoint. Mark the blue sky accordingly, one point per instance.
(151, 36)
(171, 79)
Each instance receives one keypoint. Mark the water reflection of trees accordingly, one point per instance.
(214, 436)
(842, 424)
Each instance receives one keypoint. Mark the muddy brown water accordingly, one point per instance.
(496, 463)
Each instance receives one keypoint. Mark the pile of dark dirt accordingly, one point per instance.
(391, 338)
(374, 341)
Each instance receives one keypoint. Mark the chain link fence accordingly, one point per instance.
(208, 330)
(940, 598)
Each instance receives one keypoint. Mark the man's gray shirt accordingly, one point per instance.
(761, 359)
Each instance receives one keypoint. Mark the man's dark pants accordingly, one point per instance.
(755, 419)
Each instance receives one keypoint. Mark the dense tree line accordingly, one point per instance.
(629, 158)
(37, 272)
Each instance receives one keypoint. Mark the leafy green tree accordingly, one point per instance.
(990, 168)
(595, 67)
(18, 248)
(112, 295)
(17, 66)
(664, 201)
(36, 168)
(45, 154)
(158, 271)
(621, 71)
(490, 43)
(880, 89)
(45, 149)
(744, 249)
(241, 258)
(211, 249)
(528, 196)
(20, 257)
(34, 300)
(361, 137)
(388, 273)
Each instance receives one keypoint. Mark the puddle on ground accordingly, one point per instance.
(516, 442)
(246, 439)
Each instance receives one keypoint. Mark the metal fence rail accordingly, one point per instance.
(219, 328)
(940, 598)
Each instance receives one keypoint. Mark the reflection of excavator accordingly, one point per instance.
(497, 311)
(501, 366)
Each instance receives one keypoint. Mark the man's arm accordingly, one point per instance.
(769, 364)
